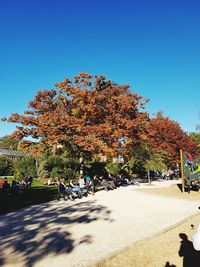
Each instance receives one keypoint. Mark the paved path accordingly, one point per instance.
(77, 233)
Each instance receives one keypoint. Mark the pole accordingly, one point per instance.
(182, 171)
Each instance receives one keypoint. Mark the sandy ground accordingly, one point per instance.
(83, 232)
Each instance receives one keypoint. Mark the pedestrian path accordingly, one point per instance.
(64, 233)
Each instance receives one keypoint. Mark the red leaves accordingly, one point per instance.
(166, 135)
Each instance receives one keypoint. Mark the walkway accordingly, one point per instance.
(78, 233)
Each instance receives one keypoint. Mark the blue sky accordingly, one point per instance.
(152, 45)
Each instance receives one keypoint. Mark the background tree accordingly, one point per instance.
(58, 166)
(8, 142)
(166, 135)
(6, 166)
(24, 166)
(155, 163)
(195, 137)
(113, 168)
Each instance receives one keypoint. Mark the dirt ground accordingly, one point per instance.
(171, 248)
(137, 226)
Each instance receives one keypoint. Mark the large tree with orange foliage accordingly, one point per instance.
(166, 136)
(90, 113)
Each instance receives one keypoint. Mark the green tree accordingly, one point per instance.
(195, 137)
(113, 168)
(6, 166)
(155, 163)
(58, 166)
(8, 142)
(24, 166)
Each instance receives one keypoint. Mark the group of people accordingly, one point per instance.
(75, 188)
(15, 187)
(87, 185)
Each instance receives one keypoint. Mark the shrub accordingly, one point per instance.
(6, 166)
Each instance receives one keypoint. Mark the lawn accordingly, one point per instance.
(38, 194)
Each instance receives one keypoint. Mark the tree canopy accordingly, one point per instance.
(90, 113)
(166, 135)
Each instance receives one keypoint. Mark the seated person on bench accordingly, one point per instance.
(75, 188)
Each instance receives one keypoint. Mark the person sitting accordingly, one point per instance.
(89, 185)
(5, 186)
(103, 182)
(75, 188)
(2, 182)
(110, 183)
(50, 182)
(22, 185)
(82, 186)
(29, 180)
(69, 193)
(96, 183)
(15, 188)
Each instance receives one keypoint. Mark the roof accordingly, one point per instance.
(11, 153)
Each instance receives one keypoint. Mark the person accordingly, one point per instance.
(15, 188)
(29, 180)
(50, 182)
(69, 193)
(111, 184)
(5, 186)
(189, 162)
(22, 185)
(82, 186)
(61, 189)
(2, 181)
(196, 239)
(75, 188)
(89, 185)
(96, 183)
(103, 182)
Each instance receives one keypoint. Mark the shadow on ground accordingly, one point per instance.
(30, 234)
(191, 257)
(37, 195)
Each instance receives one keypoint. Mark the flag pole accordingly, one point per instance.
(182, 171)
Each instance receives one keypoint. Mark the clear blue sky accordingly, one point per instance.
(152, 45)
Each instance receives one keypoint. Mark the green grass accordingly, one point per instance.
(38, 194)
(37, 182)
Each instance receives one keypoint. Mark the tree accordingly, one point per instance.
(24, 166)
(166, 135)
(155, 163)
(8, 142)
(6, 166)
(58, 166)
(195, 137)
(89, 114)
(113, 168)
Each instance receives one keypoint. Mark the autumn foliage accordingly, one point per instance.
(90, 114)
(166, 136)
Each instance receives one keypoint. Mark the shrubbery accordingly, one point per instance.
(24, 167)
(6, 166)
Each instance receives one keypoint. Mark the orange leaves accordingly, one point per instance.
(89, 112)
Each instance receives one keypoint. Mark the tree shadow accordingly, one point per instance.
(37, 231)
(191, 257)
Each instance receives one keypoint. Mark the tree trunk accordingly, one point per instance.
(149, 178)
